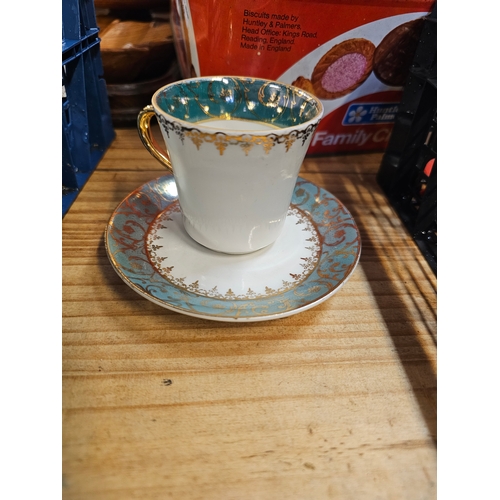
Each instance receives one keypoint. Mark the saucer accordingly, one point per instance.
(312, 259)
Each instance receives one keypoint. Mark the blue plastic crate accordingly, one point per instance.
(87, 129)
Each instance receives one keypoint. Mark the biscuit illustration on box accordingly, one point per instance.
(394, 55)
(341, 70)
(304, 84)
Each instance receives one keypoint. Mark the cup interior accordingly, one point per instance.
(207, 99)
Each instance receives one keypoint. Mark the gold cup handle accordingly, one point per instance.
(147, 137)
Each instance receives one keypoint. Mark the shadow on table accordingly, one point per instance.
(388, 266)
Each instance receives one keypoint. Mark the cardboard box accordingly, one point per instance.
(354, 55)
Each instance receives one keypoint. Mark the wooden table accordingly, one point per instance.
(335, 402)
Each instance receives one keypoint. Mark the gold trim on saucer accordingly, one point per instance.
(159, 231)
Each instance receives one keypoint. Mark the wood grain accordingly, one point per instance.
(336, 402)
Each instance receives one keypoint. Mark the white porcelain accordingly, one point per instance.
(236, 146)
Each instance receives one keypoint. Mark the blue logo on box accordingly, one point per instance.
(370, 114)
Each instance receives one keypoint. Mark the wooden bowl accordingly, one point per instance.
(136, 50)
(127, 99)
(131, 4)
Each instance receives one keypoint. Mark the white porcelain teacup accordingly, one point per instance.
(235, 146)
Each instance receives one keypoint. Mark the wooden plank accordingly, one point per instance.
(336, 402)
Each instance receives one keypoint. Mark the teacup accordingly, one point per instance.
(235, 146)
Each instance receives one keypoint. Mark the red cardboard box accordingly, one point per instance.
(353, 55)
